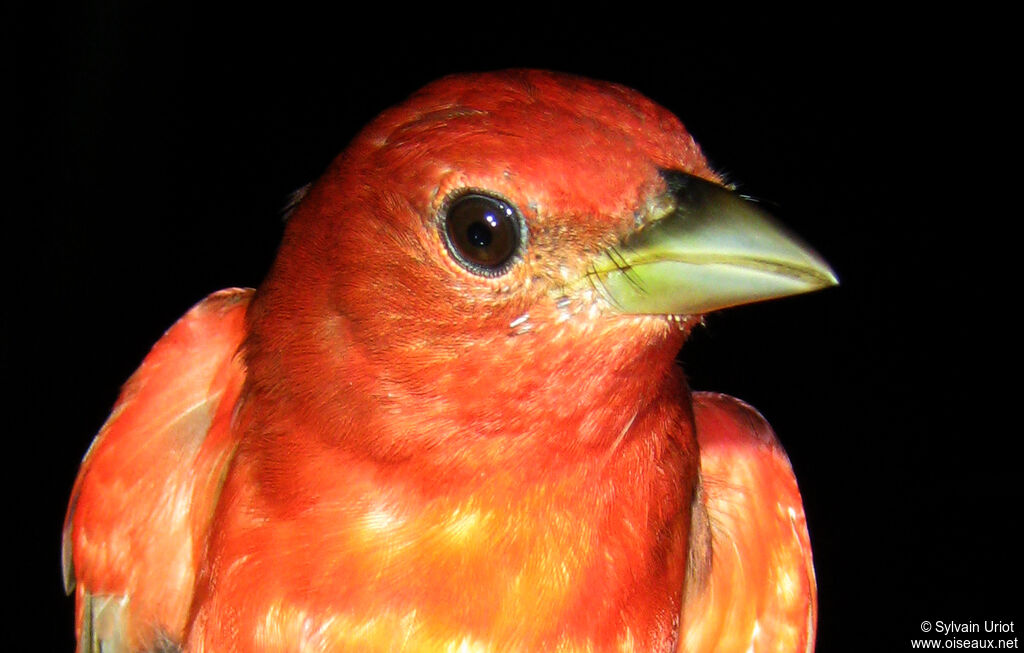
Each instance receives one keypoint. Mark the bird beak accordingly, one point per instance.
(702, 247)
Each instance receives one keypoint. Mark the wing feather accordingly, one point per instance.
(754, 588)
(149, 483)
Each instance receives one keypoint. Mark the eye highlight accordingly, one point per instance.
(483, 233)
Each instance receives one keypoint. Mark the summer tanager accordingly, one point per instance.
(450, 419)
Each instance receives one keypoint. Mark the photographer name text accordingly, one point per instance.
(963, 627)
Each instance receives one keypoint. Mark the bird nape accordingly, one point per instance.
(450, 418)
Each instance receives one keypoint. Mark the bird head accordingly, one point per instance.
(504, 250)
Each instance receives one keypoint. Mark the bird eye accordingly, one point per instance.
(482, 233)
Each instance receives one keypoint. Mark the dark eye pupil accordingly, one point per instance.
(479, 234)
(482, 233)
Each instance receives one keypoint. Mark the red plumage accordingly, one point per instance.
(384, 448)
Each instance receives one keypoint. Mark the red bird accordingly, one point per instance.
(450, 418)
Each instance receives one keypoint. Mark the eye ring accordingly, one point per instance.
(483, 232)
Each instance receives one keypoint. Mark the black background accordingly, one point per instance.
(154, 149)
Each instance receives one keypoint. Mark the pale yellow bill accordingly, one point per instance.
(709, 249)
